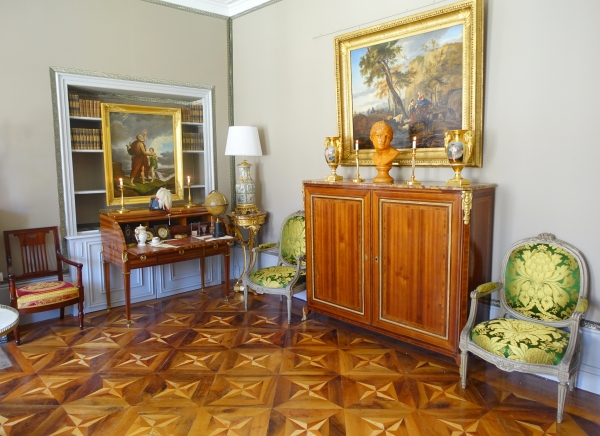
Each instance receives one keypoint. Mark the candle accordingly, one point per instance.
(188, 180)
(414, 142)
(120, 181)
(356, 145)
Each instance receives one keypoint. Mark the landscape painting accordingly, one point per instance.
(414, 84)
(422, 75)
(142, 152)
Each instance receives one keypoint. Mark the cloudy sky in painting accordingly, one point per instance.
(363, 98)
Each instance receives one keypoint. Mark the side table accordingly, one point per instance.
(251, 222)
(9, 319)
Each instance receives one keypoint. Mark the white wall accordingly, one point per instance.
(123, 37)
(540, 127)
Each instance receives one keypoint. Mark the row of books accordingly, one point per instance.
(86, 139)
(192, 114)
(192, 141)
(79, 107)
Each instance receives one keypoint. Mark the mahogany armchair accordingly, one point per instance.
(34, 260)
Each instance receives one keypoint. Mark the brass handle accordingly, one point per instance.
(181, 251)
(376, 259)
(216, 246)
(142, 257)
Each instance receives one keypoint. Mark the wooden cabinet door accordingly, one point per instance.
(417, 240)
(338, 236)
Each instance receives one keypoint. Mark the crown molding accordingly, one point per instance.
(228, 8)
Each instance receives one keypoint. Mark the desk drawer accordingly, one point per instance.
(181, 255)
(142, 261)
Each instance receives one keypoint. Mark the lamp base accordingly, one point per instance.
(245, 209)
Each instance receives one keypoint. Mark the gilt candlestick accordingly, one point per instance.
(122, 210)
(358, 179)
(189, 203)
(413, 181)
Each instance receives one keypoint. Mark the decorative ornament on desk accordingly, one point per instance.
(458, 145)
(216, 204)
(162, 200)
(333, 155)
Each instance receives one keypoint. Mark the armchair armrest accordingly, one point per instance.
(78, 265)
(485, 289)
(69, 261)
(266, 247)
(479, 292)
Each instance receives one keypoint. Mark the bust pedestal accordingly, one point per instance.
(383, 174)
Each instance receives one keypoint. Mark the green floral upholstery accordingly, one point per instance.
(542, 282)
(293, 239)
(276, 276)
(522, 341)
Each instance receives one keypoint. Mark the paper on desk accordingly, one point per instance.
(211, 238)
(222, 237)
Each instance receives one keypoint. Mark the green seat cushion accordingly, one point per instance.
(522, 341)
(542, 282)
(276, 276)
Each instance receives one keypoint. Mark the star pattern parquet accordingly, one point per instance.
(195, 364)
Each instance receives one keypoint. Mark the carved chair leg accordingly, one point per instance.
(80, 313)
(573, 381)
(562, 394)
(464, 358)
(17, 335)
(289, 308)
(246, 298)
(62, 313)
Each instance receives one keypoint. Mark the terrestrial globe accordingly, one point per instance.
(216, 204)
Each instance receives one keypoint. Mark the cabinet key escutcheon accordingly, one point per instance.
(181, 251)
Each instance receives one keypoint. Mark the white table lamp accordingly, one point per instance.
(244, 141)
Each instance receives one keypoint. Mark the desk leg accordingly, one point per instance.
(202, 272)
(227, 261)
(106, 266)
(127, 285)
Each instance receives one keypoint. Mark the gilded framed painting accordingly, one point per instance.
(142, 152)
(421, 74)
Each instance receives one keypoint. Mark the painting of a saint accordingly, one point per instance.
(144, 150)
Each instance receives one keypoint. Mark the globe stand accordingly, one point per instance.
(219, 228)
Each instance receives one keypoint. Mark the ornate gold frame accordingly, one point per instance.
(468, 13)
(113, 193)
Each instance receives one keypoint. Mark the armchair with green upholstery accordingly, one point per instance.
(288, 276)
(542, 302)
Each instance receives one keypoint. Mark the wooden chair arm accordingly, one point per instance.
(69, 261)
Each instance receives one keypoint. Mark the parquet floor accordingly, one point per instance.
(194, 364)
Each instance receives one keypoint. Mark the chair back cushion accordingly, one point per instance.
(542, 281)
(293, 239)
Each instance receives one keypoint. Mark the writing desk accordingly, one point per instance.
(127, 257)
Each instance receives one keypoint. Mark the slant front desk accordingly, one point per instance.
(115, 248)
(398, 260)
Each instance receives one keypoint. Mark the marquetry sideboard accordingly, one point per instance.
(398, 260)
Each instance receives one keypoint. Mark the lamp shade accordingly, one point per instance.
(243, 141)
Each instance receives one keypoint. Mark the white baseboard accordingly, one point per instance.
(589, 371)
